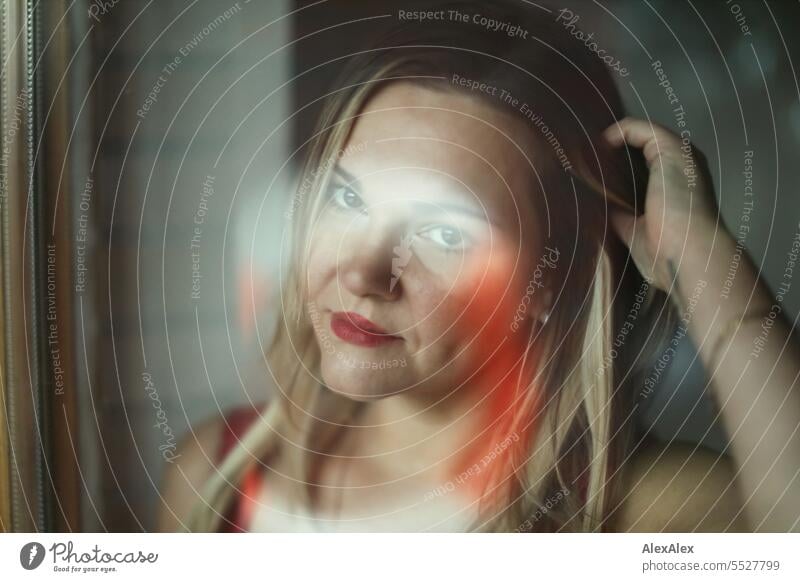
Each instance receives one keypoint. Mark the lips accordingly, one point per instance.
(360, 331)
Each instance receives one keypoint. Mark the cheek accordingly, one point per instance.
(437, 315)
(320, 264)
(443, 269)
(430, 299)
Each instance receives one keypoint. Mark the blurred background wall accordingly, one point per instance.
(190, 125)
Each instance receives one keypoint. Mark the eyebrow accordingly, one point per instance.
(348, 177)
(475, 213)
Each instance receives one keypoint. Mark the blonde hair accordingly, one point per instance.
(565, 473)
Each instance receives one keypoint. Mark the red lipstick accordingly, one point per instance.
(359, 331)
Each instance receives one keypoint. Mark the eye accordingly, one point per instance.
(345, 199)
(448, 237)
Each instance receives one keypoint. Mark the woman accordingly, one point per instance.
(464, 337)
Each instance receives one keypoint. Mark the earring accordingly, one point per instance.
(544, 317)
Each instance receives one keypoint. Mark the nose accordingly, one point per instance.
(372, 262)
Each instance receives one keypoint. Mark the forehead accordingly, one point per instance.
(414, 133)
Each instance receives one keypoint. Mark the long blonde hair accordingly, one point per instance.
(566, 472)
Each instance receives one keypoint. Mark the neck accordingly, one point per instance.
(434, 440)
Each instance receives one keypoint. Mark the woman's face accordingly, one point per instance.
(427, 193)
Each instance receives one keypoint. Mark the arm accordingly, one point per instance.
(679, 488)
(753, 362)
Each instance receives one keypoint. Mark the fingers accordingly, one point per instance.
(637, 132)
(624, 225)
(653, 139)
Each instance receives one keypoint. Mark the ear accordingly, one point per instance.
(541, 313)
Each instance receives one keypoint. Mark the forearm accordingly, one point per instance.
(754, 364)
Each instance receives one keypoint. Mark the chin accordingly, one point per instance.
(359, 384)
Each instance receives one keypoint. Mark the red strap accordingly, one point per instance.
(248, 502)
(236, 422)
(239, 514)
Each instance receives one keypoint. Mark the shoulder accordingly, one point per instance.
(196, 458)
(184, 477)
(679, 488)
